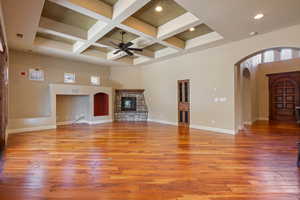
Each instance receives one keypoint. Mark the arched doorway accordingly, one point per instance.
(254, 105)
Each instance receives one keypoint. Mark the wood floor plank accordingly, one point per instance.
(146, 161)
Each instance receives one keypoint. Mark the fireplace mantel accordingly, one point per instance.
(131, 90)
(86, 90)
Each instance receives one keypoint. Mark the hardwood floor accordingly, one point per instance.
(140, 161)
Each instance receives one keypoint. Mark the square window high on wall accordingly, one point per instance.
(95, 80)
(69, 78)
(36, 75)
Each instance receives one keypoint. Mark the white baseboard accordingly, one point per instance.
(85, 122)
(64, 123)
(248, 123)
(100, 121)
(206, 128)
(163, 122)
(213, 129)
(30, 129)
(41, 128)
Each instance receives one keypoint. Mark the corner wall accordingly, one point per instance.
(30, 99)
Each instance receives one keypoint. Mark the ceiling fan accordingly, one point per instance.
(125, 47)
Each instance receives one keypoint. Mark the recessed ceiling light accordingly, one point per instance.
(253, 33)
(259, 16)
(192, 29)
(158, 9)
(19, 35)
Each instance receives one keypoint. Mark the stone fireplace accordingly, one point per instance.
(130, 105)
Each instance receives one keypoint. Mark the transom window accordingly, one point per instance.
(286, 54)
(276, 54)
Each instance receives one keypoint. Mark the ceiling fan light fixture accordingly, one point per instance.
(259, 16)
(158, 8)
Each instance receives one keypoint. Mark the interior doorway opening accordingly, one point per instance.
(183, 103)
(252, 83)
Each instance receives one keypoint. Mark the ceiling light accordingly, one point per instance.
(192, 29)
(158, 9)
(19, 35)
(259, 16)
(253, 33)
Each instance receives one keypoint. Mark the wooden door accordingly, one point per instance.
(284, 97)
(184, 103)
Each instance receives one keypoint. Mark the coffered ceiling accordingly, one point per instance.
(85, 30)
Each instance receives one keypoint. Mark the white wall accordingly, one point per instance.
(212, 75)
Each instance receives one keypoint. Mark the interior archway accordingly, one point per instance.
(248, 105)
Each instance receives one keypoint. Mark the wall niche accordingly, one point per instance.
(101, 104)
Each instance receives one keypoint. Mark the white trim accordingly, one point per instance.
(30, 129)
(100, 121)
(162, 122)
(206, 128)
(248, 123)
(213, 129)
(41, 128)
(85, 122)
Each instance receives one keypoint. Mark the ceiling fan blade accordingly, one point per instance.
(116, 52)
(128, 44)
(129, 53)
(135, 49)
(116, 45)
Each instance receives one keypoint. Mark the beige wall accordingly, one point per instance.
(127, 77)
(71, 107)
(212, 75)
(30, 99)
(263, 82)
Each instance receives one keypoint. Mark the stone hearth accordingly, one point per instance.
(138, 113)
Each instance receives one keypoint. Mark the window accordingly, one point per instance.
(69, 78)
(269, 56)
(95, 80)
(256, 60)
(286, 54)
(36, 75)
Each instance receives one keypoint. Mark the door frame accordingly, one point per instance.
(273, 78)
(185, 104)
